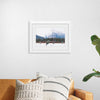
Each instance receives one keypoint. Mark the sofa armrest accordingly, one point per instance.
(71, 97)
(84, 95)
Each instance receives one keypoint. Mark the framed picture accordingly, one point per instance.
(49, 37)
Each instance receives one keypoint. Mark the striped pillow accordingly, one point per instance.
(29, 91)
(56, 88)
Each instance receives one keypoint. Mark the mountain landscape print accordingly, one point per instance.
(51, 37)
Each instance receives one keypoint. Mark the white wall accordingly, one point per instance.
(15, 62)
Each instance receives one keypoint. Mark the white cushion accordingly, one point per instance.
(29, 91)
(55, 88)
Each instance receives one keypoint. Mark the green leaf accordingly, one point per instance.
(94, 37)
(96, 42)
(96, 71)
(87, 77)
(98, 49)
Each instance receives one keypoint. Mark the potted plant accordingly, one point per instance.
(95, 41)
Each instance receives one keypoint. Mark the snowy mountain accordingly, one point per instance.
(52, 35)
(39, 37)
(57, 35)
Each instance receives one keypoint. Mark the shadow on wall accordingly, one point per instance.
(9, 94)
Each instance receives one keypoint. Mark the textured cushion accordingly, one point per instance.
(56, 88)
(7, 88)
(30, 91)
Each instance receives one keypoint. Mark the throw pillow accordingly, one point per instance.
(29, 91)
(55, 88)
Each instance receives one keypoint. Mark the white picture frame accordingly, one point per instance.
(49, 37)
